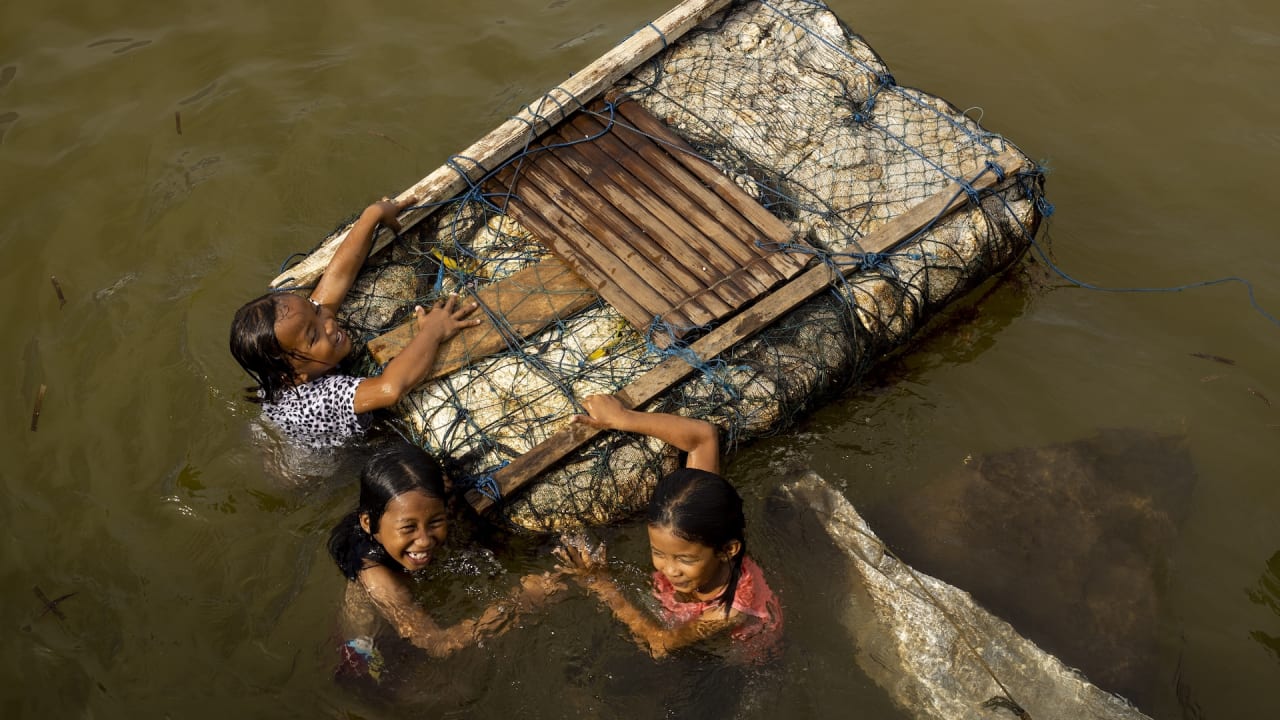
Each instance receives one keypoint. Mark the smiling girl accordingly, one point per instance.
(704, 582)
(398, 529)
(290, 344)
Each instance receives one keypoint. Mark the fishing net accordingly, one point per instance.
(806, 118)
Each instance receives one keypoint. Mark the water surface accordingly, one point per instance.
(161, 161)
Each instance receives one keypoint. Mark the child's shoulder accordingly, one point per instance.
(752, 581)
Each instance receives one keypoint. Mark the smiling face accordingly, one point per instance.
(310, 335)
(413, 526)
(694, 569)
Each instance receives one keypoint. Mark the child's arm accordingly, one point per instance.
(395, 602)
(699, 438)
(407, 369)
(342, 270)
(590, 570)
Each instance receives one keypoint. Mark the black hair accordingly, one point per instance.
(390, 473)
(702, 507)
(254, 345)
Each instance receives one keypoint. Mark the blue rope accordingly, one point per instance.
(486, 485)
(660, 34)
(712, 370)
(1027, 180)
(1253, 300)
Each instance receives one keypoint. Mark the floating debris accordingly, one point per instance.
(50, 606)
(388, 138)
(177, 120)
(1260, 396)
(57, 288)
(1214, 358)
(115, 287)
(35, 412)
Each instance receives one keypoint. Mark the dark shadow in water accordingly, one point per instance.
(1069, 543)
(1267, 594)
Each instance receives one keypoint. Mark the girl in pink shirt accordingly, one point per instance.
(706, 585)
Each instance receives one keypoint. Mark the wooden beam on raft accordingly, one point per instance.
(523, 303)
(742, 326)
(532, 121)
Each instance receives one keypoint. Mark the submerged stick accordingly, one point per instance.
(177, 120)
(57, 288)
(35, 413)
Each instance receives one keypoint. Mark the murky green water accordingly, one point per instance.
(201, 589)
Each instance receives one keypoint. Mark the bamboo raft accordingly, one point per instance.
(631, 229)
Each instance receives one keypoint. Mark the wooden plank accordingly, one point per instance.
(710, 257)
(717, 245)
(513, 135)
(522, 304)
(754, 212)
(563, 212)
(670, 371)
(619, 238)
(550, 221)
(625, 237)
(704, 208)
(656, 224)
(779, 264)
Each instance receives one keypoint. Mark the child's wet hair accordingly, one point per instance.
(704, 508)
(255, 346)
(389, 473)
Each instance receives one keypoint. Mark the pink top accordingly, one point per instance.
(760, 631)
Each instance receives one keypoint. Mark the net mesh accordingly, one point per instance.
(804, 116)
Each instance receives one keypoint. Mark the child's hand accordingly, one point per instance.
(578, 559)
(445, 319)
(535, 590)
(604, 412)
(386, 211)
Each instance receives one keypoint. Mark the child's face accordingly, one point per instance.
(693, 568)
(412, 528)
(310, 334)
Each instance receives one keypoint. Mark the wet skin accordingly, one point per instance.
(694, 569)
(311, 336)
(411, 529)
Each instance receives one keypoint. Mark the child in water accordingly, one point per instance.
(705, 583)
(289, 345)
(397, 530)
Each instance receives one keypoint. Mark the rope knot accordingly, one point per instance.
(486, 485)
(877, 262)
